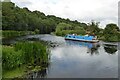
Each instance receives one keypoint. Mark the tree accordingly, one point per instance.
(93, 27)
(111, 32)
(8, 15)
(64, 28)
(111, 28)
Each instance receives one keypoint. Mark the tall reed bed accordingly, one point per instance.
(24, 53)
(9, 34)
(11, 58)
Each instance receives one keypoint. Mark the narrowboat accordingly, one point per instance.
(85, 38)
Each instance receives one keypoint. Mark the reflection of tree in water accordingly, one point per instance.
(110, 49)
(93, 49)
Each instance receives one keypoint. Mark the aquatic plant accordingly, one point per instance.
(24, 53)
(11, 58)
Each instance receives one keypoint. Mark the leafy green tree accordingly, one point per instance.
(93, 27)
(8, 15)
(111, 32)
(111, 28)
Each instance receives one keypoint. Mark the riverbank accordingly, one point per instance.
(23, 58)
(113, 38)
(21, 72)
(11, 33)
(111, 33)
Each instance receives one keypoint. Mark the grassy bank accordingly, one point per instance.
(33, 55)
(9, 33)
(17, 72)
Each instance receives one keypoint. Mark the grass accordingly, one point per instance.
(0, 61)
(11, 58)
(33, 55)
(17, 72)
(0, 70)
(10, 33)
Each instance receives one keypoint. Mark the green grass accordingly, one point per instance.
(0, 61)
(17, 72)
(0, 70)
(10, 33)
(11, 58)
(32, 54)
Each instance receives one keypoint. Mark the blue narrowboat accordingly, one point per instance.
(85, 38)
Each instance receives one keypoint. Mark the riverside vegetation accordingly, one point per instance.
(11, 33)
(27, 54)
(22, 19)
(18, 21)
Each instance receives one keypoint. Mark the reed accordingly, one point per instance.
(9, 33)
(11, 58)
(24, 53)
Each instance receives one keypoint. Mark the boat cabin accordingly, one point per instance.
(80, 37)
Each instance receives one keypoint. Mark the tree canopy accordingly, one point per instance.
(22, 19)
(64, 28)
(111, 32)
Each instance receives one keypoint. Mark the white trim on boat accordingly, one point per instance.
(82, 40)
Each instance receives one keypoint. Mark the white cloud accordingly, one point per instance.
(104, 11)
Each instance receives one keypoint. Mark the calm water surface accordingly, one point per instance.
(72, 59)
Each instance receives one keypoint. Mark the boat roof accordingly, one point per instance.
(79, 35)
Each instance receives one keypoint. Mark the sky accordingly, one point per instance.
(103, 11)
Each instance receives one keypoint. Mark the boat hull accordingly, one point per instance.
(82, 40)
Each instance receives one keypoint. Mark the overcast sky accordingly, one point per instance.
(103, 11)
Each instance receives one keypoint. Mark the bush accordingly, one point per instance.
(64, 28)
(37, 31)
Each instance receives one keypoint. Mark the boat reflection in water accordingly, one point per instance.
(91, 47)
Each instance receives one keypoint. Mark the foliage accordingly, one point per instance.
(111, 32)
(17, 72)
(22, 19)
(64, 28)
(9, 33)
(11, 58)
(36, 31)
(28, 53)
(93, 28)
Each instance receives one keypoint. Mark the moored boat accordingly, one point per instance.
(81, 38)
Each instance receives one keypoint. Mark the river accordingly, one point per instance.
(72, 59)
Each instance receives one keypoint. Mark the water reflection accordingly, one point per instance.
(111, 49)
(71, 59)
(92, 48)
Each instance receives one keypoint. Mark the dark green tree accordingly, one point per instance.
(111, 32)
